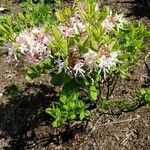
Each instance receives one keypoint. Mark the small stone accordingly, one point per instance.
(1, 94)
(2, 9)
(29, 133)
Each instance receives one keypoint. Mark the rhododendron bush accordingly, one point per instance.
(89, 49)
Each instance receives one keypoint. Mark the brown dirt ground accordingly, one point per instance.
(24, 124)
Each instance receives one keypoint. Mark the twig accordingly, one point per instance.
(94, 126)
(148, 2)
(110, 123)
(128, 135)
(147, 57)
(108, 89)
(121, 121)
(114, 85)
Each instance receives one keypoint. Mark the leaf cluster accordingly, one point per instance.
(69, 107)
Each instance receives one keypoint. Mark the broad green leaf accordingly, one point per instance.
(57, 35)
(82, 115)
(72, 115)
(63, 98)
(60, 16)
(93, 93)
(87, 113)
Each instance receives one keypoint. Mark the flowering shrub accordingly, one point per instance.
(89, 49)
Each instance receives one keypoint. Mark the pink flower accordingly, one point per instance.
(66, 31)
(21, 40)
(32, 44)
(90, 59)
(108, 24)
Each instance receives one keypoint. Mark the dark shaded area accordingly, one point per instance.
(25, 112)
(139, 8)
(62, 137)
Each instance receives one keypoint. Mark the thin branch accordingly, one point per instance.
(148, 2)
(147, 57)
(108, 89)
(114, 85)
(121, 121)
(111, 123)
(127, 137)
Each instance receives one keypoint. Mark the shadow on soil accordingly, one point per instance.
(24, 113)
(139, 8)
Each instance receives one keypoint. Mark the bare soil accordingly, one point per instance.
(26, 126)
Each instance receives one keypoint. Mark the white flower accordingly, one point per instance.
(114, 56)
(37, 30)
(77, 16)
(97, 7)
(107, 62)
(78, 68)
(120, 20)
(23, 48)
(114, 21)
(66, 31)
(80, 26)
(60, 66)
(77, 24)
(90, 59)
(108, 23)
(9, 45)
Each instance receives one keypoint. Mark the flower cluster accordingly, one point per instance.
(74, 26)
(113, 21)
(103, 60)
(85, 64)
(32, 45)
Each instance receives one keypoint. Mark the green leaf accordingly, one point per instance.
(72, 104)
(70, 87)
(35, 71)
(51, 111)
(31, 73)
(104, 105)
(73, 96)
(87, 113)
(47, 64)
(57, 35)
(66, 107)
(104, 12)
(80, 104)
(72, 115)
(58, 112)
(55, 123)
(63, 98)
(61, 78)
(60, 16)
(82, 115)
(93, 93)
